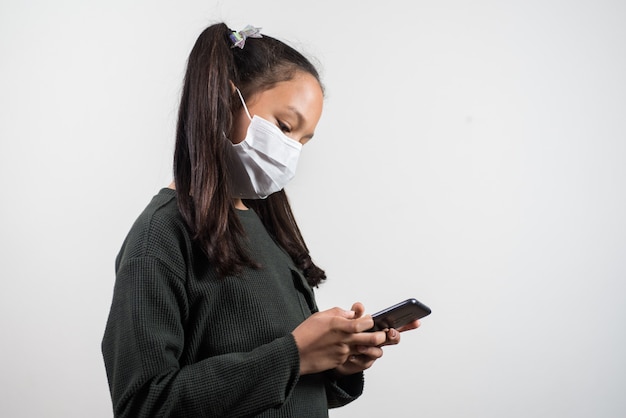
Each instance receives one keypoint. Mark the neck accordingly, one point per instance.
(239, 204)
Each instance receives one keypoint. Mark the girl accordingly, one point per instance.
(213, 311)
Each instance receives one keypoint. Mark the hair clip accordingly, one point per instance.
(239, 38)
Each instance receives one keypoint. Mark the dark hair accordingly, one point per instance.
(201, 170)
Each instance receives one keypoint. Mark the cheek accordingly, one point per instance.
(240, 127)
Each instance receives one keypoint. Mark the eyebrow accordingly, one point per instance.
(300, 118)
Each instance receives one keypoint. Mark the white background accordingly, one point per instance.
(471, 155)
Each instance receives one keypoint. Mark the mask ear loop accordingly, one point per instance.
(243, 102)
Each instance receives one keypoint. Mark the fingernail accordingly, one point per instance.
(393, 333)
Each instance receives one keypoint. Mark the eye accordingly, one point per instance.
(283, 126)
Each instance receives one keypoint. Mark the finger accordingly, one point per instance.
(370, 339)
(353, 326)
(361, 362)
(342, 313)
(349, 314)
(393, 337)
(372, 353)
(364, 323)
(358, 309)
(412, 325)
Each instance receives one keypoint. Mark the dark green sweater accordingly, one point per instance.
(181, 342)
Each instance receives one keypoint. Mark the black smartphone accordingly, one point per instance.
(399, 314)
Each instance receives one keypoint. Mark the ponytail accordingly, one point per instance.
(200, 167)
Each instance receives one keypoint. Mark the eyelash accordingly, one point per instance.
(283, 127)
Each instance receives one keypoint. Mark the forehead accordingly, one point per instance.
(302, 93)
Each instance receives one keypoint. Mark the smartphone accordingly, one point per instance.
(399, 314)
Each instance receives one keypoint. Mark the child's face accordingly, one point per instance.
(295, 106)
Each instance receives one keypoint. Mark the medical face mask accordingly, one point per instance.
(265, 161)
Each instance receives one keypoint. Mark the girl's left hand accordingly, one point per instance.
(363, 357)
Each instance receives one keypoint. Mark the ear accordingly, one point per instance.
(233, 88)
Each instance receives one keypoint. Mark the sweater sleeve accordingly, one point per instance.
(341, 391)
(144, 341)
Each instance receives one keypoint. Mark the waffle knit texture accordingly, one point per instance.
(181, 342)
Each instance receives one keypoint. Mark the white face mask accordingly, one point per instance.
(265, 160)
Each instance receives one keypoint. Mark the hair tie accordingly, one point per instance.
(239, 38)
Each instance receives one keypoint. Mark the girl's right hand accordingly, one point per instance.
(327, 338)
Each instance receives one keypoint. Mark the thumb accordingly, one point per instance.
(358, 309)
(349, 314)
